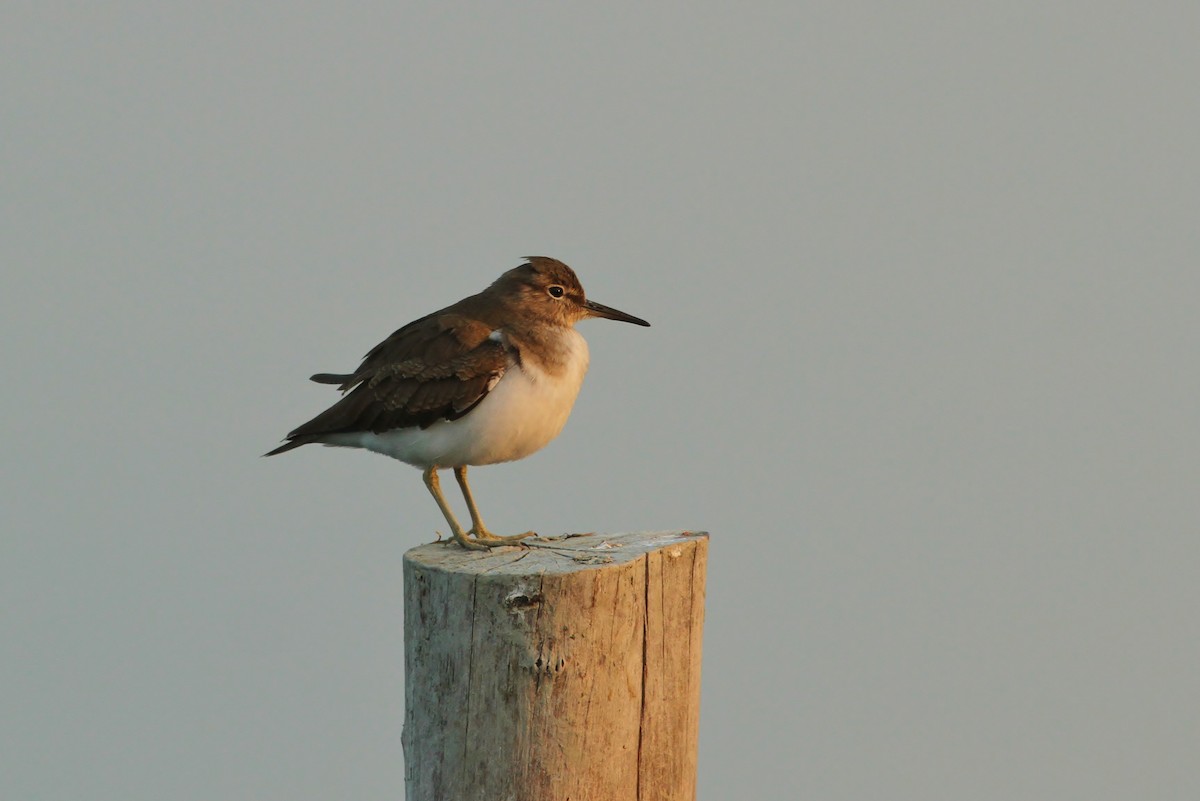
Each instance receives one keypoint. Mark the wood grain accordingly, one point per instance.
(569, 670)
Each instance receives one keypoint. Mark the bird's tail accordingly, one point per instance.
(331, 378)
(291, 443)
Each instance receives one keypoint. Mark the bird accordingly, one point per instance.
(489, 379)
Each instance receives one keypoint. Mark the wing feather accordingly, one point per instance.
(436, 368)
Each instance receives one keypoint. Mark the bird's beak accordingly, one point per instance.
(600, 310)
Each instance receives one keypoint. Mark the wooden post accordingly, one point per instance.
(566, 670)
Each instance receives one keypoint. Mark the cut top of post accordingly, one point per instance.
(549, 555)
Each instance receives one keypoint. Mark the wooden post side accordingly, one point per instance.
(570, 669)
(670, 721)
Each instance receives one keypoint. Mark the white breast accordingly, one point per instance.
(525, 410)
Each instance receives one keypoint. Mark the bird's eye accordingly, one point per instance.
(556, 291)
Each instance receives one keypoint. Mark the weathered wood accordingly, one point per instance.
(566, 671)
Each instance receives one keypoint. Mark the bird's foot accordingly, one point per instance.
(489, 540)
(468, 543)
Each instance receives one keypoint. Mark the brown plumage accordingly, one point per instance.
(440, 366)
(436, 368)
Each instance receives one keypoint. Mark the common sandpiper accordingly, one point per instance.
(489, 379)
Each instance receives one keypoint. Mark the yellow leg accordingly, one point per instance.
(477, 528)
(435, 489)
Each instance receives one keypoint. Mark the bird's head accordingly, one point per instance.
(547, 289)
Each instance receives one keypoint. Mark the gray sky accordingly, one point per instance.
(923, 284)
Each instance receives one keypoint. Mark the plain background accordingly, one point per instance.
(923, 279)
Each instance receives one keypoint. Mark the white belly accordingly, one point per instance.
(521, 414)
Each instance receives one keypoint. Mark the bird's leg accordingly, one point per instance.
(435, 489)
(477, 528)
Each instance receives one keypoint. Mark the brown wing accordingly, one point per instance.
(436, 368)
